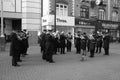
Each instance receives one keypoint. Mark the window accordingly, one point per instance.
(61, 9)
(114, 16)
(84, 12)
(101, 14)
(115, 1)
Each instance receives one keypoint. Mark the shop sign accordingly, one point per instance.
(82, 22)
(110, 26)
(60, 20)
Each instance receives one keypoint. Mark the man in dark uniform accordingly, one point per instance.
(78, 42)
(14, 48)
(42, 44)
(49, 46)
(99, 43)
(25, 41)
(83, 43)
(106, 42)
(92, 46)
(62, 42)
(69, 42)
(55, 44)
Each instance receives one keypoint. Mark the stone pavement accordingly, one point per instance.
(67, 67)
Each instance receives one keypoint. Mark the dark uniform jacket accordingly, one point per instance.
(106, 41)
(42, 40)
(49, 44)
(15, 45)
(99, 41)
(77, 41)
(92, 44)
(62, 40)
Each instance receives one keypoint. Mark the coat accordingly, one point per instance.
(15, 45)
(42, 41)
(49, 44)
(92, 44)
(99, 41)
(62, 40)
(77, 41)
(106, 42)
(83, 44)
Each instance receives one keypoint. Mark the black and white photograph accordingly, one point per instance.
(59, 39)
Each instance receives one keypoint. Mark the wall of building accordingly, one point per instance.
(31, 14)
(31, 18)
(12, 5)
(8, 28)
(114, 9)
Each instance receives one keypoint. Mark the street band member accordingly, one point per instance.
(69, 42)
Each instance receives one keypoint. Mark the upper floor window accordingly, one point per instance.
(115, 1)
(84, 12)
(61, 9)
(101, 14)
(114, 16)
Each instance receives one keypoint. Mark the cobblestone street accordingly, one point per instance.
(66, 67)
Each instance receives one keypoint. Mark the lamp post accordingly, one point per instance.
(55, 17)
(41, 16)
(2, 37)
(2, 34)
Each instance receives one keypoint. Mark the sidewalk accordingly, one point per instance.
(67, 67)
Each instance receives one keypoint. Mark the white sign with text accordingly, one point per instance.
(60, 20)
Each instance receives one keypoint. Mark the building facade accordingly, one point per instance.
(63, 20)
(71, 16)
(22, 14)
(82, 15)
(97, 15)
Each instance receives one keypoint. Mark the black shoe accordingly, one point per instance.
(26, 54)
(106, 54)
(51, 62)
(16, 65)
(19, 60)
(91, 56)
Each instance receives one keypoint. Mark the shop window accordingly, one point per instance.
(84, 12)
(61, 9)
(114, 16)
(101, 14)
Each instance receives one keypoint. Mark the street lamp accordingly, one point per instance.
(55, 17)
(2, 37)
(2, 34)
